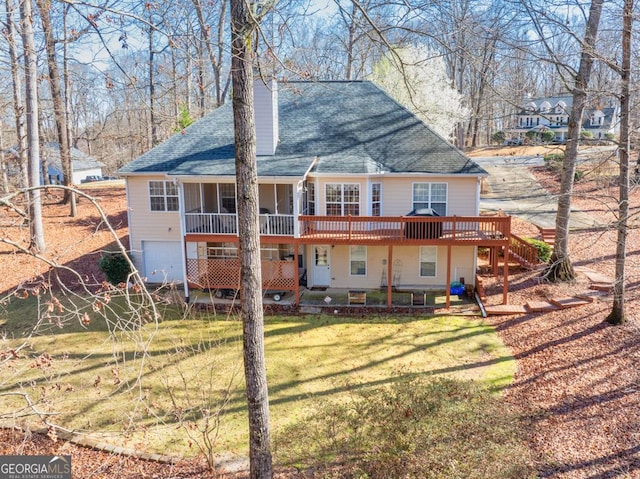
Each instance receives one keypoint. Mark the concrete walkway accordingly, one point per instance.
(512, 189)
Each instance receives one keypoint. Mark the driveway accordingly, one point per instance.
(512, 189)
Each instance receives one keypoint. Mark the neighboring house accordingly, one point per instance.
(341, 165)
(552, 113)
(82, 164)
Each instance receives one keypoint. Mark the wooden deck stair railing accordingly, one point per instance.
(523, 252)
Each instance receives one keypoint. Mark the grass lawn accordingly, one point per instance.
(135, 387)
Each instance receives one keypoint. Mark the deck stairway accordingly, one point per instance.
(548, 235)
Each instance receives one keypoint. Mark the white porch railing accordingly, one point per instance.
(227, 223)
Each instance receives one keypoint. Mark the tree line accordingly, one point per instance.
(117, 77)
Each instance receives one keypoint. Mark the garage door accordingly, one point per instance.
(162, 261)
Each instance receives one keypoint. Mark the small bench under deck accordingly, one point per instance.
(357, 297)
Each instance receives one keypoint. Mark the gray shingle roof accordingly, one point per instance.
(351, 127)
(50, 152)
(80, 160)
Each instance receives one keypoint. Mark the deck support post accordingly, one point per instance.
(389, 277)
(505, 278)
(296, 287)
(448, 287)
(505, 272)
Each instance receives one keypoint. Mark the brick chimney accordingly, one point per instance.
(265, 95)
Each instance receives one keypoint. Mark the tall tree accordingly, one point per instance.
(3, 163)
(617, 315)
(560, 267)
(67, 108)
(243, 29)
(18, 100)
(33, 137)
(59, 110)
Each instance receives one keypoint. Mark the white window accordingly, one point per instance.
(222, 250)
(311, 198)
(428, 261)
(430, 195)
(342, 199)
(163, 196)
(358, 260)
(376, 199)
(227, 197)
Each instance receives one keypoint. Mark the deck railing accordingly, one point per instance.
(397, 229)
(406, 229)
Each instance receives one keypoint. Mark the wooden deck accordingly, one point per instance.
(469, 230)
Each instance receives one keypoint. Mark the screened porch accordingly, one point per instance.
(210, 208)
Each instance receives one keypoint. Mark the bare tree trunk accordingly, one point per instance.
(56, 95)
(33, 137)
(242, 30)
(3, 162)
(560, 267)
(188, 67)
(618, 315)
(67, 111)
(153, 122)
(18, 101)
(202, 78)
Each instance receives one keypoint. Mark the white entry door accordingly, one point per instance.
(162, 261)
(322, 265)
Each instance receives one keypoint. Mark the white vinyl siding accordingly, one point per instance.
(405, 266)
(462, 195)
(145, 224)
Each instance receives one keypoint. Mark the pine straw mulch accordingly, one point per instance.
(577, 380)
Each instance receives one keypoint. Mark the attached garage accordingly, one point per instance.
(162, 261)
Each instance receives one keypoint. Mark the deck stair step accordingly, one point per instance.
(505, 309)
(569, 302)
(590, 297)
(606, 287)
(540, 306)
(521, 261)
(548, 235)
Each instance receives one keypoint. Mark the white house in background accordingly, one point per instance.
(354, 192)
(552, 113)
(82, 164)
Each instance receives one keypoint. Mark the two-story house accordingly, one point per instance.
(552, 113)
(343, 169)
